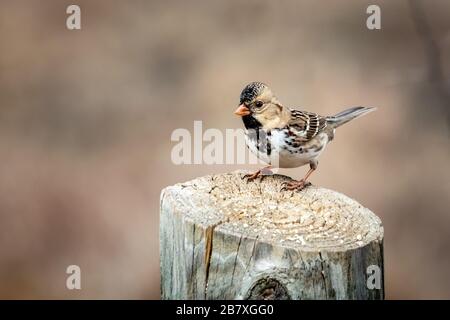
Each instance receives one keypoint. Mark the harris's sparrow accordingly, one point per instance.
(285, 137)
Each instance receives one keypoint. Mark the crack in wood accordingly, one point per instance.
(235, 259)
(323, 274)
(194, 284)
(209, 234)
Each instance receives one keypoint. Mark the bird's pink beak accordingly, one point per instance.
(242, 110)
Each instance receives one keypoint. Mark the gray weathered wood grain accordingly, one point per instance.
(224, 238)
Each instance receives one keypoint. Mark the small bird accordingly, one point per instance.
(283, 137)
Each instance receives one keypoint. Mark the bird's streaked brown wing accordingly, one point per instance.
(306, 125)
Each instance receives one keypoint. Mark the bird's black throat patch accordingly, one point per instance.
(257, 136)
(250, 122)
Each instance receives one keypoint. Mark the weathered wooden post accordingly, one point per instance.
(224, 238)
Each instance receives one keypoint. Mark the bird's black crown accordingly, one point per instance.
(251, 91)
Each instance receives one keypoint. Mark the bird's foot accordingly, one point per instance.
(252, 176)
(295, 185)
(260, 173)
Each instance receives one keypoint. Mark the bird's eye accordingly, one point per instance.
(258, 104)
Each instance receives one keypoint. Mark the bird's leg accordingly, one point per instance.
(260, 173)
(301, 184)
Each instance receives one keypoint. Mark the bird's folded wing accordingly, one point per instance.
(306, 125)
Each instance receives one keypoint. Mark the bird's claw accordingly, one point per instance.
(295, 185)
(252, 176)
(260, 173)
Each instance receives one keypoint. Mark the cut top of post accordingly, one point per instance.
(314, 219)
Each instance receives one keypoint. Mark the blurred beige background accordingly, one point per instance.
(86, 118)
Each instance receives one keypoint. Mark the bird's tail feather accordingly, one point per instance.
(347, 115)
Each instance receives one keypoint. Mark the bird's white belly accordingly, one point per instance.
(283, 155)
(289, 160)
